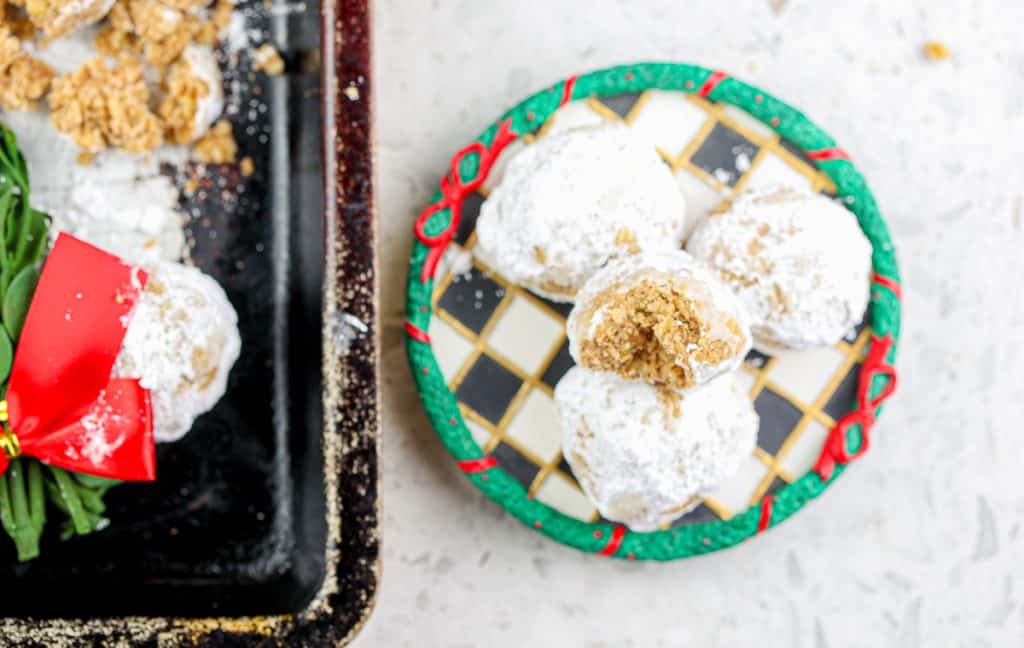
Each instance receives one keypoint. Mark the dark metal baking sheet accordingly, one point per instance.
(262, 526)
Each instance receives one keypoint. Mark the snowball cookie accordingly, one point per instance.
(572, 201)
(644, 454)
(664, 318)
(798, 261)
(181, 343)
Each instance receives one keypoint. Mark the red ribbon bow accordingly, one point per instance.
(453, 192)
(62, 406)
(835, 450)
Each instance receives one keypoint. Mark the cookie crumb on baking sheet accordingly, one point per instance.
(218, 146)
(267, 59)
(100, 106)
(23, 79)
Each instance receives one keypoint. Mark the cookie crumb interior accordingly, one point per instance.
(645, 332)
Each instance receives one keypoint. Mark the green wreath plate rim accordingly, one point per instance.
(876, 383)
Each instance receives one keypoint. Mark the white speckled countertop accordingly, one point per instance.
(919, 543)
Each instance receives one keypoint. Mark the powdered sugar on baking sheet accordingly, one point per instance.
(644, 456)
(135, 217)
(120, 202)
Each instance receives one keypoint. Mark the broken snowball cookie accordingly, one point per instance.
(644, 454)
(193, 95)
(574, 200)
(798, 260)
(181, 343)
(664, 318)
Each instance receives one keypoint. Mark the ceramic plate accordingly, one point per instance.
(487, 353)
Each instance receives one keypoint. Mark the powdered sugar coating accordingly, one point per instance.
(572, 201)
(203, 64)
(181, 343)
(722, 315)
(640, 462)
(798, 260)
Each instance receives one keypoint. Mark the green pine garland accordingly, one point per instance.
(28, 484)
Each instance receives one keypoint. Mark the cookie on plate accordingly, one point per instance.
(798, 260)
(664, 318)
(645, 454)
(572, 201)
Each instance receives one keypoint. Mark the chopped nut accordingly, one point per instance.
(22, 28)
(268, 60)
(935, 51)
(217, 146)
(162, 30)
(210, 30)
(86, 158)
(120, 16)
(23, 79)
(626, 240)
(207, 34)
(248, 167)
(99, 107)
(115, 42)
(153, 20)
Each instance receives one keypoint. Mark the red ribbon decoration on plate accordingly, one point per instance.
(63, 407)
(835, 450)
(454, 190)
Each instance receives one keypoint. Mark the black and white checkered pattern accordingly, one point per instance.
(503, 349)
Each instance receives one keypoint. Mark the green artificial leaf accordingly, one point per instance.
(26, 486)
(64, 490)
(24, 231)
(22, 506)
(6, 356)
(18, 299)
